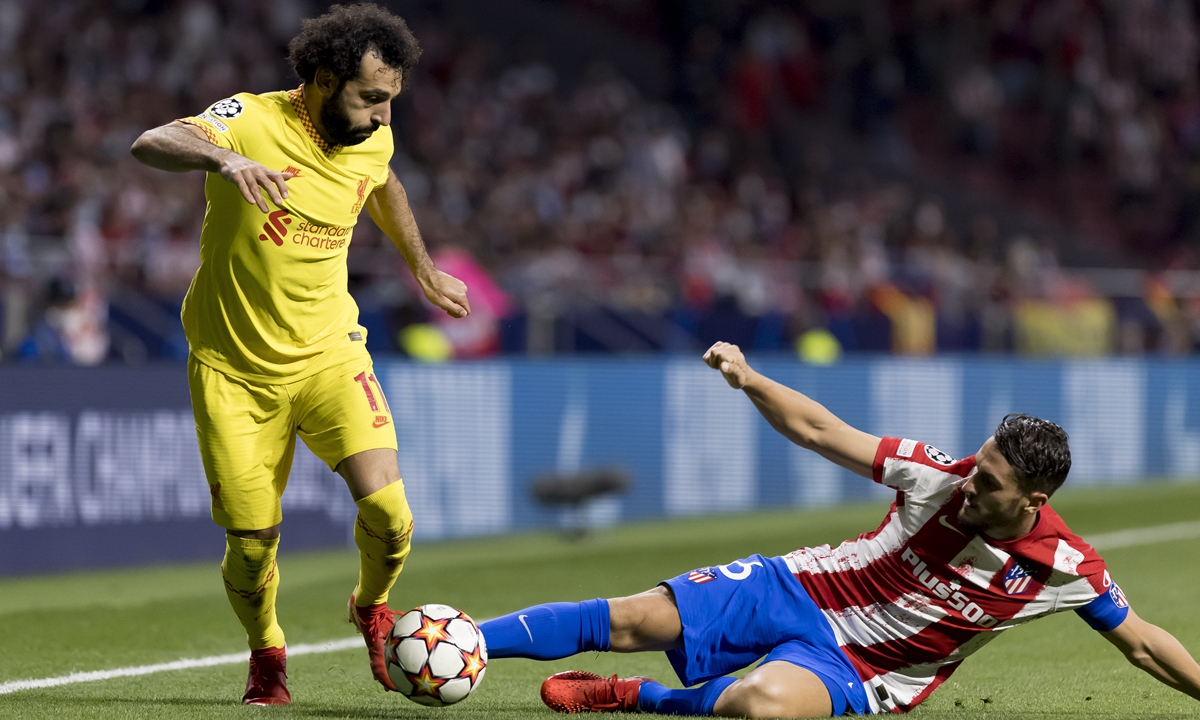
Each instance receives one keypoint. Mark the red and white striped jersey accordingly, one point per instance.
(911, 600)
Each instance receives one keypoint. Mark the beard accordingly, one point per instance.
(338, 125)
(975, 519)
(990, 516)
(973, 524)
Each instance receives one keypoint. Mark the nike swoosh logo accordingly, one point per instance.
(379, 423)
(942, 519)
(522, 619)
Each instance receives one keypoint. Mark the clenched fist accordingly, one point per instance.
(731, 362)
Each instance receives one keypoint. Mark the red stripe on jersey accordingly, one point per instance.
(931, 645)
(880, 583)
(890, 577)
(886, 449)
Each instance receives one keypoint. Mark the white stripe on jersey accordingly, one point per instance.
(902, 688)
(1067, 559)
(852, 554)
(978, 562)
(881, 622)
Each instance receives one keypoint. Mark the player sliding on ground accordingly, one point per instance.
(969, 548)
(276, 348)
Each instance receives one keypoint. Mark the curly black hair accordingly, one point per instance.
(339, 39)
(1037, 451)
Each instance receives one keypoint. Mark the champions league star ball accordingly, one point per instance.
(435, 655)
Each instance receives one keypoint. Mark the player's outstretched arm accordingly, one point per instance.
(179, 147)
(796, 416)
(388, 207)
(1156, 651)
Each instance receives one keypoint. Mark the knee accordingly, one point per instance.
(649, 621)
(368, 472)
(757, 697)
(385, 516)
(399, 514)
(270, 533)
(625, 621)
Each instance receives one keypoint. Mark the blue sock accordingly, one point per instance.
(655, 698)
(549, 632)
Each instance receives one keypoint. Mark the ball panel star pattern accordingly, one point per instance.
(473, 665)
(432, 632)
(425, 683)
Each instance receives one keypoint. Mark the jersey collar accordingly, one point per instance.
(296, 98)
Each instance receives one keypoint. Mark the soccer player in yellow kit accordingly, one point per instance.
(276, 348)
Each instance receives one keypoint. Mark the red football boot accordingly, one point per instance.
(576, 691)
(374, 622)
(267, 683)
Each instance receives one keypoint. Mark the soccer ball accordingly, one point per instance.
(435, 655)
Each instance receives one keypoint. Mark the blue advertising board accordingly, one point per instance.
(99, 466)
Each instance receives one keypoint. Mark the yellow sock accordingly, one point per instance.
(251, 581)
(382, 532)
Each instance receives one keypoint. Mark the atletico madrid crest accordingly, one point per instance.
(1016, 580)
(702, 575)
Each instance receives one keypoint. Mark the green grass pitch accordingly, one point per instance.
(1054, 668)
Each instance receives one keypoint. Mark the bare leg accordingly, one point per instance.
(647, 621)
(776, 690)
(268, 534)
(369, 471)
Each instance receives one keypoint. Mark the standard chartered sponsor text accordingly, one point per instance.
(321, 236)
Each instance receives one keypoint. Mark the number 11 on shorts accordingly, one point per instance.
(366, 380)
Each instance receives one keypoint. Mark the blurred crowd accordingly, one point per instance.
(1086, 111)
(586, 216)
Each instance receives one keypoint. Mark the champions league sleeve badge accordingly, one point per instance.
(938, 456)
(228, 109)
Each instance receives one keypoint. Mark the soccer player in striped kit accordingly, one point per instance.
(968, 549)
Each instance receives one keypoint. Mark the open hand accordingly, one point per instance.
(731, 362)
(252, 178)
(447, 292)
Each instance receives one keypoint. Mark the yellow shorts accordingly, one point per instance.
(247, 432)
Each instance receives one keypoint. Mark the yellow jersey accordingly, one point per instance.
(269, 303)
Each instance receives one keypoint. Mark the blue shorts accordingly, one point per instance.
(734, 614)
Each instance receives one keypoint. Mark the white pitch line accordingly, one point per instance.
(1103, 541)
(1145, 536)
(185, 664)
